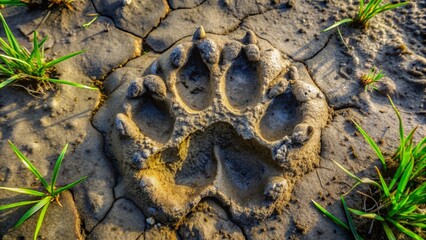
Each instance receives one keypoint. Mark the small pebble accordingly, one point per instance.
(150, 221)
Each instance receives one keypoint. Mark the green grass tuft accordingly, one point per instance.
(366, 12)
(13, 3)
(19, 66)
(401, 195)
(371, 78)
(52, 193)
(35, 3)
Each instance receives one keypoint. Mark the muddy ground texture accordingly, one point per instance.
(124, 42)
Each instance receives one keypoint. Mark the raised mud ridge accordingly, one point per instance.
(217, 118)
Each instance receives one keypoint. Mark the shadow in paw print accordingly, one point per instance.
(242, 85)
(245, 168)
(193, 82)
(219, 157)
(281, 117)
(153, 118)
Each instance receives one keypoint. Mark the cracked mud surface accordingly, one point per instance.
(204, 119)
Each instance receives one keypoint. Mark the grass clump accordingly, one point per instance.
(371, 78)
(17, 64)
(12, 3)
(38, 3)
(366, 12)
(52, 192)
(400, 193)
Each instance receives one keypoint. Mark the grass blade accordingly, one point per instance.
(338, 23)
(388, 231)
(36, 50)
(350, 221)
(361, 6)
(398, 173)
(372, 144)
(70, 83)
(25, 191)
(10, 37)
(405, 230)
(40, 220)
(414, 216)
(373, 11)
(342, 39)
(39, 46)
(367, 215)
(16, 60)
(382, 181)
(347, 172)
(401, 127)
(8, 50)
(6, 71)
(29, 165)
(371, 182)
(63, 58)
(12, 3)
(389, 6)
(404, 179)
(86, 25)
(9, 81)
(420, 225)
(61, 189)
(331, 216)
(420, 147)
(18, 204)
(33, 210)
(364, 180)
(419, 171)
(57, 167)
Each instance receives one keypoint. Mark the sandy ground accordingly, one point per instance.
(122, 45)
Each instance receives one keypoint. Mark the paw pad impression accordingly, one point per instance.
(217, 118)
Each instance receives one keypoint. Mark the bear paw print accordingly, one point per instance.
(217, 118)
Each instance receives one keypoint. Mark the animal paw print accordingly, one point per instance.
(218, 118)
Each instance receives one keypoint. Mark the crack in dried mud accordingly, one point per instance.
(159, 23)
(228, 213)
(115, 25)
(347, 106)
(252, 14)
(139, 236)
(106, 214)
(238, 26)
(322, 48)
